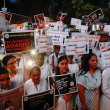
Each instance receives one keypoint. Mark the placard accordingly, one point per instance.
(63, 84)
(58, 38)
(78, 46)
(43, 43)
(12, 99)
(40, 20)
(18, 41)
(5, 19)
(95, 15)
(105, 59)
(76, 22)
(104, 46)
(40, 101)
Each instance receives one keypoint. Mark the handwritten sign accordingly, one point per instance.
(105, 59)
(77, 46)
(44, 43)
(104, 46)
(58, 38)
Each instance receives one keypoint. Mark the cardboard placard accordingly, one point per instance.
(40, 20)
(63, 84)
(95, 15)
(40, 101)
(13, 98)
(18, 41)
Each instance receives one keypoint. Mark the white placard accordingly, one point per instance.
(44, 43)
(104, 46)
(58, 38)
(76, 46)
(5, 19)
(76, 22)
(107, 28)
(105, 59)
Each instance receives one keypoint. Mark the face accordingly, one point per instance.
(56, 49)
(70, 59)
(12, 64)
(4, 81)
(63, 66)
(39, 60)
(35, 75)
(93, 62)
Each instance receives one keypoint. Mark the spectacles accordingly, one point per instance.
(12, 63)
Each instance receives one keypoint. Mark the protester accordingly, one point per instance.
(89, 81)
(5, 83)
(105, 98)
(16, 73)
(73, 67)
(53, 58)
(64, 101)
(44, 67)
(35, 84)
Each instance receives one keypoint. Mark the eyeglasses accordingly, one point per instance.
(12, 63)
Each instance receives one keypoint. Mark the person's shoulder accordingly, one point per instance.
(106, 71)
(28, 82)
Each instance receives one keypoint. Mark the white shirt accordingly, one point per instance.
(19, 77)
(30, 88)
(55, 59)
(45, 71)
(73, 68)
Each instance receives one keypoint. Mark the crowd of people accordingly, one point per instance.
(93, 84)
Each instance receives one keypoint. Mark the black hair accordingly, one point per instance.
(59, 60)
(84, 62)
(56, 46)
(3, 70)
(7, 58)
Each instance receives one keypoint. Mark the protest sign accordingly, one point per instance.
(78, 46)
(95, 15)
(40, 20)
(12, 98)
(40, 101)
(93, 40)
(52, 26)
(5, 19)
(58, 38)
(76, 22)
(63, 84)
(105, 59)
(107, 28)
(18, 41)
(43, 43)
(104, 46)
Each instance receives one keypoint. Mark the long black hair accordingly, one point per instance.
(59, 60)
(84, 62)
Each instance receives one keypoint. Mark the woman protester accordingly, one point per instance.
(89, 81)
(16, 73)
(35, 84)
(64, 101)
(5, 83)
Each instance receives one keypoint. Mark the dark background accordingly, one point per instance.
(74, 8)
